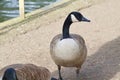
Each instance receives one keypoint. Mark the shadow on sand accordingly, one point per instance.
(102, 65)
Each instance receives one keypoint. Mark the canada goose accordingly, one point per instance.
(25, 72)
(69, 50)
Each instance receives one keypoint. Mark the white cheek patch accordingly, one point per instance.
(74, 19)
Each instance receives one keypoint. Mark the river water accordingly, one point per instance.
(10, 8)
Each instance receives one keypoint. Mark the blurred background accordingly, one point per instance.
(10, 8)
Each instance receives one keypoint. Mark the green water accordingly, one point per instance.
(10, 8)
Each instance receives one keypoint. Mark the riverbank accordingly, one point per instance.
(36, 19)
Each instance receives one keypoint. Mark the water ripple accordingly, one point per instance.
(10, 8)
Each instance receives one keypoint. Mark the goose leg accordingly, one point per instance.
(59, 70)
(77, 73)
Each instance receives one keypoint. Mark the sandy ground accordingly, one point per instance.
(102, 38)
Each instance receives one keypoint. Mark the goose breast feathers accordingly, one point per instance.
(68, 52)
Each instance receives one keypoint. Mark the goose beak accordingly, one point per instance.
(85, 19)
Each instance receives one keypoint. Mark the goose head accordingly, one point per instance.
(77, 17)
(71, 18)
(53, 78)
(10, 74)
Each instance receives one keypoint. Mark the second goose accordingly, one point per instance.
(25, 72)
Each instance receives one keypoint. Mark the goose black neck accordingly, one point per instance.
(10, 74)
(66, 26)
